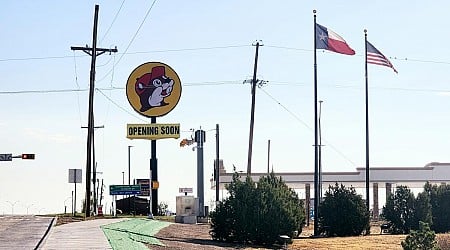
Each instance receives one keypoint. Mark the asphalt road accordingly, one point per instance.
(22, 232)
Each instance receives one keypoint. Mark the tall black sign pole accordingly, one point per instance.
(154, 173)
(93, 52)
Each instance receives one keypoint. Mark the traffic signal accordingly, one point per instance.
(28, 156)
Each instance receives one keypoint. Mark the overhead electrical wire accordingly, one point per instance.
(406, 59)
(78, 87)
(307, 126)
(132, 39)
(212, 84)
(113, 21)
(120, 107)
(217, 83)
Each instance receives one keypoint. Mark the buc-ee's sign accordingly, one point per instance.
(153, 89)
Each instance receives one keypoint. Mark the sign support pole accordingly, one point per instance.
(153, 175)
(75, 199)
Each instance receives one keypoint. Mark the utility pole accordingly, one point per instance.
(252, 115)
(93, 52)
(94, 173)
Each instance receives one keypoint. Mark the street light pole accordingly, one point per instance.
(129, 177)
(31, 206)
(12, 206)
(65, 207)
(129, 165)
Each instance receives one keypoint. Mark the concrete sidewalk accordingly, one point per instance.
(79, 235)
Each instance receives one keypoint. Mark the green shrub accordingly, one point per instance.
(422, 210)
(257, 212)
(424, 238)
(162, 209)
(440, 205)
(343, 213)
(399, 210)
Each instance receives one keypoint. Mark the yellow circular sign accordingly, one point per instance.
(153, 89)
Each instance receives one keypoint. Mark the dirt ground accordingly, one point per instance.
(186, 236)
(196, 236)
(190, 237)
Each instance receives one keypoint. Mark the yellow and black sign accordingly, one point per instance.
(155, 184)
(153, 131)
(153, 89)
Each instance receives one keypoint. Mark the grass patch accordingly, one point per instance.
(133, 233)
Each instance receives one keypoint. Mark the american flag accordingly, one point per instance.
(374, 56)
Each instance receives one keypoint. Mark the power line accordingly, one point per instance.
(218, 83)
(36, 58)
(120, 107)
(132, 39)
(111, 86)
(190, 49)
(406, 59)
(307, 126)
(114, 20)
(289, 48)
(78, 86)
(41, 91)
(129, 53)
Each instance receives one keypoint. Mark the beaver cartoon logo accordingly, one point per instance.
(153, 89)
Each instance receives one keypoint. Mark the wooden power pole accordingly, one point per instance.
(252, 113)
(93, 52)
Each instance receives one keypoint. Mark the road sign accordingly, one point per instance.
(145, 188)
(75, 176)
(153, 131)
(5, 157)
(185, 190)
(155, 184)
(124, 189)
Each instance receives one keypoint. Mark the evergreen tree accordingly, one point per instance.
(257, 212)
(439, 198)
(422, 210)
(343, 212)
(399, 210)
(424, 238)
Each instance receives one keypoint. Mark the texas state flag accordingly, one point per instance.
(329, 40)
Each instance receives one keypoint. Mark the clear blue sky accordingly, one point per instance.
(209, 43)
